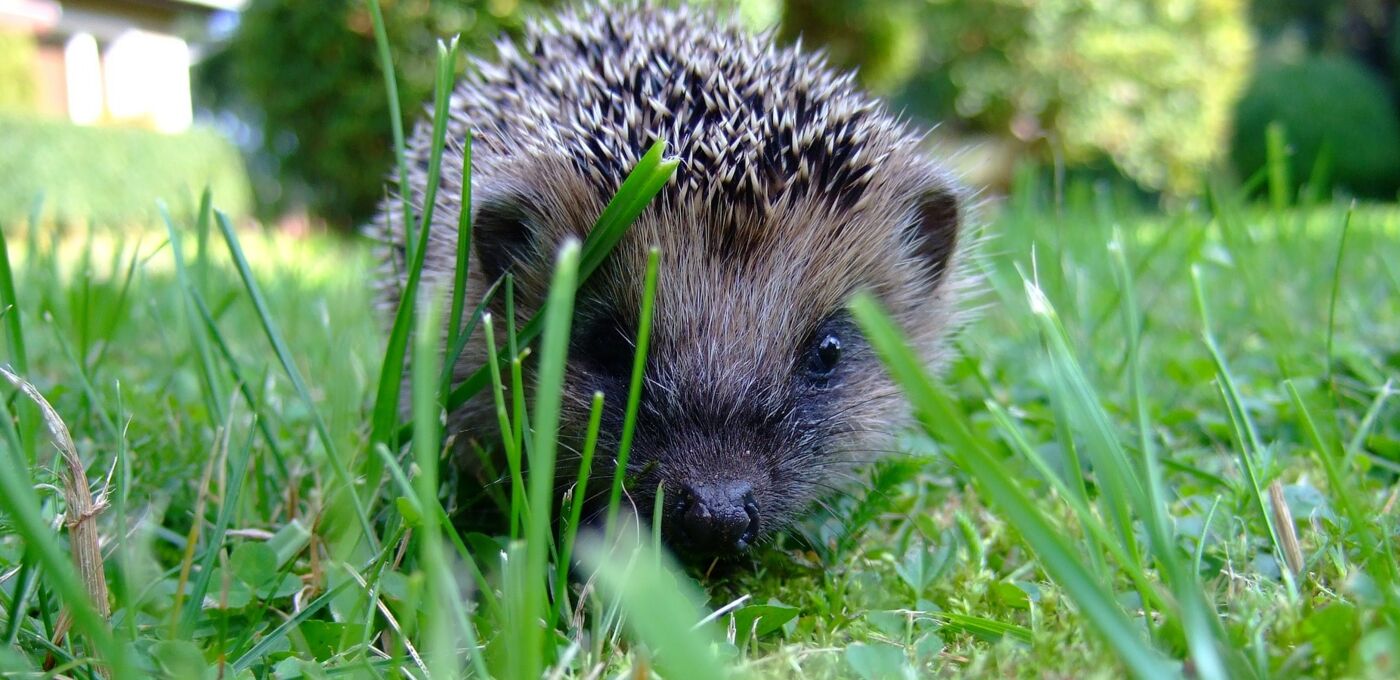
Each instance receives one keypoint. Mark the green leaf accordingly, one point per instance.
(922, 565)
(323, 637)
(878, 661)
(761, 620)
(983, 627)
(408, 509)
(289, 541)
(254, 564)
(180, 659)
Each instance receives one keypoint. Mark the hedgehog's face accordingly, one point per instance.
(737, 431)
(760, 392)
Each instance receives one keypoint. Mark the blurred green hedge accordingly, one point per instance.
(112, 175)
(1328, 105)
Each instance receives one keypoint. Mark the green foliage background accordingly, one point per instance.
(112, 175)
(307, 74)
(1147, 89)
(1146, 84)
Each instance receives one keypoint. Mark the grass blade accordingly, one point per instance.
(549, 381)
(634, 388)
(213, 389)
(14, 334)
(579, 495)
(284, 356)
(237, 473)
(463, 268)
(443, 591)
(385, 417)
(391, 97)
(1248, 436)
(1201, 623)
(269, 643)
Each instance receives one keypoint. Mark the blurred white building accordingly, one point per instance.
(122, 61)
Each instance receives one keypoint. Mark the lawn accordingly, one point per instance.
(1170, 446)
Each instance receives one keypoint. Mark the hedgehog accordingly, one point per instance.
(794, 190)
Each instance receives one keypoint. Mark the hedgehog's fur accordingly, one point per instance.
(794, 190)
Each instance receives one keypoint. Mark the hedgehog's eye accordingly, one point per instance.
(825, 354)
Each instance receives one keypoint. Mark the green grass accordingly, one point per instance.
(1185, 367)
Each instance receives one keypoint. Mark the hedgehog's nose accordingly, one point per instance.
(720, 517)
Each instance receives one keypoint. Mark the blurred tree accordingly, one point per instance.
(306, 77)
(882, 38)
(1147, 84)
(18, 91)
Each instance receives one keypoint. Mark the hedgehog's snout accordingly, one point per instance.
(715, 517)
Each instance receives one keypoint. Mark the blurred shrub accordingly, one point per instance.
(1147, 84)
(881, 38)
(113, 175)
(1326, 105)
(307, 76)
(18, 91)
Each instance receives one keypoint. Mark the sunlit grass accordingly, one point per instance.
(926, 570)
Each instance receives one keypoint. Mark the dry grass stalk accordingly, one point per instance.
(82, 510)
(1288, 534)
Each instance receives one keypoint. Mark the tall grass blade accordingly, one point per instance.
(14, 334)
(513, 460)
(391, 97)
(213, 388)
(1248, 436)
(1204, 635)
(549, 382)
(284, 357)
(238, 465)
(1336, 289)
(235, 370)
(1276, 148)
(634, 388)
(385, 417)
(443, 591)
(463, 268)
(578, 496)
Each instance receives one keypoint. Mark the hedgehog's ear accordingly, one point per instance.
(934, 230)
(501, 234)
